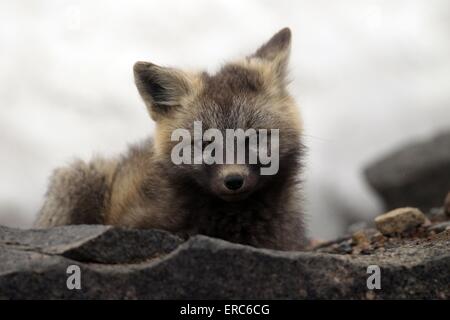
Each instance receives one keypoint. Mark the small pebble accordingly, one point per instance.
(399, 220)
(345, 247)
(440, 227)
(360, 238)
(378, 237)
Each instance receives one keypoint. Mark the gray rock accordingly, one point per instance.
(417, 175)
(207, 268)
(93, 243)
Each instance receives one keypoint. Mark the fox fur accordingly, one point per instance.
(144, 189)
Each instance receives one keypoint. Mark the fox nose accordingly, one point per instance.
(234, 182)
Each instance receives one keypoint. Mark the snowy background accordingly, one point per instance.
(368, 75)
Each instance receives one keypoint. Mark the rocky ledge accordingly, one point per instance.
(119, 263)
(406, 254)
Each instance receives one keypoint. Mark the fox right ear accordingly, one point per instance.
(161, 88)
(276, 52)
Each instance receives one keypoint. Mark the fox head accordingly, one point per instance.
(246, 94)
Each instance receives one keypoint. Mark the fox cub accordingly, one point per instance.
(145, 188)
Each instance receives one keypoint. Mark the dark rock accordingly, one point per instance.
(33, 265)
(92, 243)
(417, 175)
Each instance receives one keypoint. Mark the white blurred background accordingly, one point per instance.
(368, 75)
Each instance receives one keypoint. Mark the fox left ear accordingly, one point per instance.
(161, 88)
(277, 51)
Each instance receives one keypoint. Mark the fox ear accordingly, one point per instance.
(276, 51)
(161, 88)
